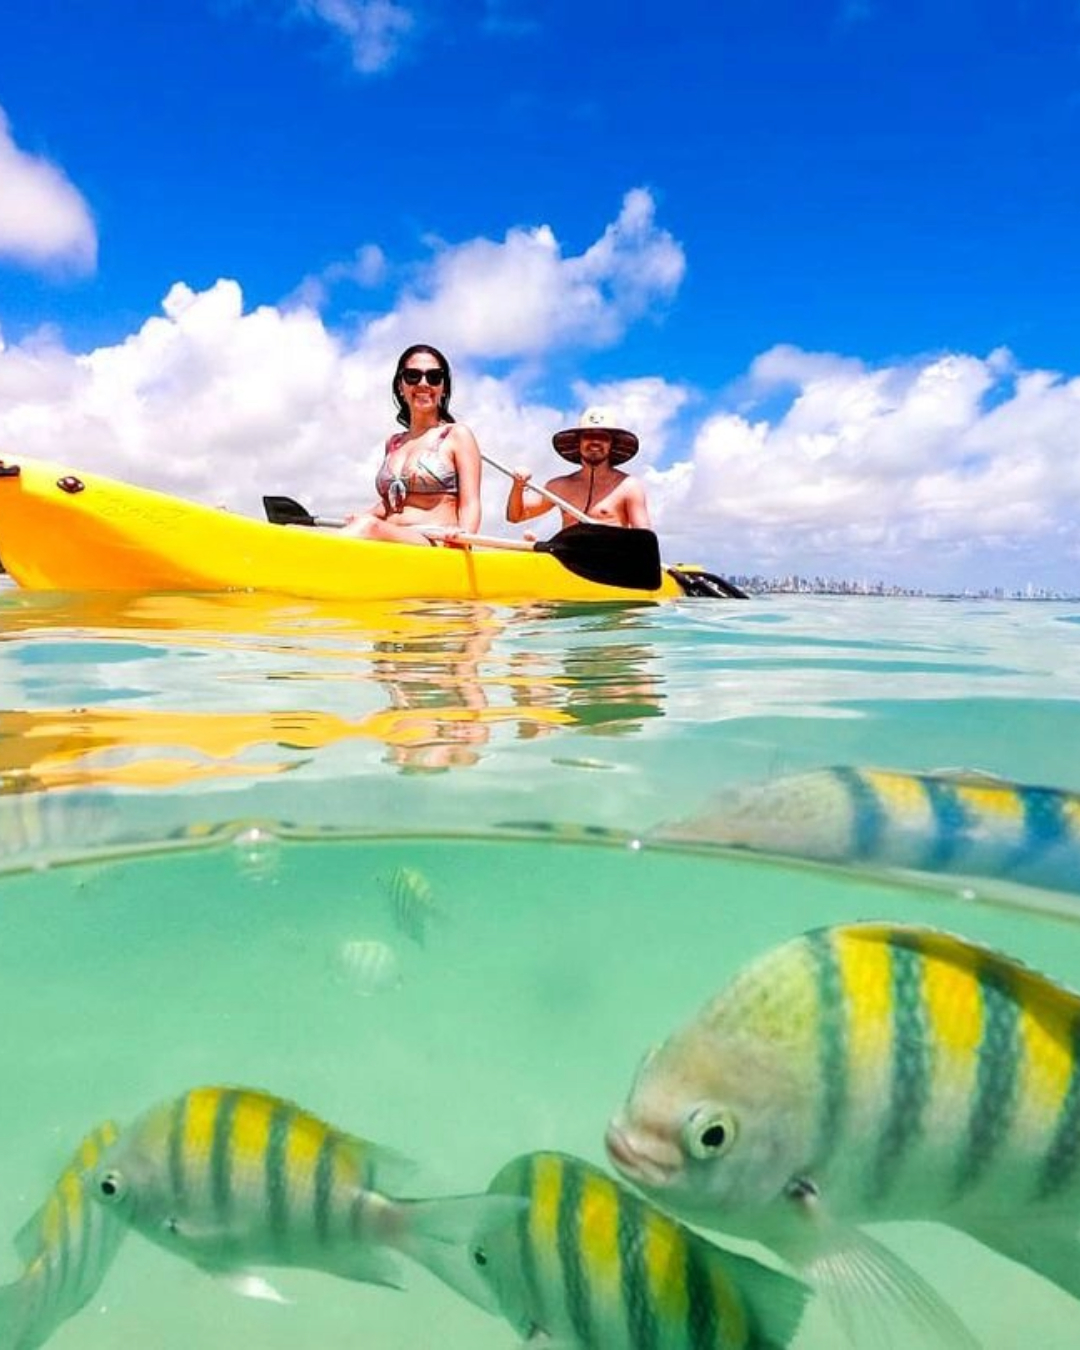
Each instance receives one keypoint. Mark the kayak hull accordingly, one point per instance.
(61, 529)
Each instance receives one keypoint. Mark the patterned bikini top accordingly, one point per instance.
(431, 473)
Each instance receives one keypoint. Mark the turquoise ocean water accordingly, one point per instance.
(204, 802)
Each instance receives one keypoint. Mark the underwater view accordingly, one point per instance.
(436, 974)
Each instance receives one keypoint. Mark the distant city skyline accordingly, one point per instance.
(818, 585)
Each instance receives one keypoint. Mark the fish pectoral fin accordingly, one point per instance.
(1048, 1245)
(249, 1285)
(876, 1297)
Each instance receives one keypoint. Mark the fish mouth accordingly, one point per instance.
(633, 1162)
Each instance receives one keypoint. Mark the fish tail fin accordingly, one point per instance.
(16, 1315)
(776, 1301)
(877, 1298)
(440, 1235)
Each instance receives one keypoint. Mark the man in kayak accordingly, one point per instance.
(599, 489)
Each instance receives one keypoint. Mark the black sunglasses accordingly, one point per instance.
(434, 377)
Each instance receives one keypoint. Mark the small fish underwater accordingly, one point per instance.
(863, 1073)
(948, 821)
(68, 1247)
(234, 1178)
(369, 965)
(412, 903)
(591, 1264)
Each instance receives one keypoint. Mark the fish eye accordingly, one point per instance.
(479, 1256)
(111, 1186)
(709, 1133)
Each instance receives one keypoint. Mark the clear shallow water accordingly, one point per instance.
(441, 715)
(193, 724)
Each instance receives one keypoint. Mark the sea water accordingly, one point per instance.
(208, 804)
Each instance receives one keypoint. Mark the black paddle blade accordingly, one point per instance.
(285, 511)
(608, 555)
(696, 581)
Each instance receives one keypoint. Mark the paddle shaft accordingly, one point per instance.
(544, 492)
(480, 540)
(331, 522)
(286, 510)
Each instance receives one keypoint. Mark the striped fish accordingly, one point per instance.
(949, 821)
(412, 903)
(370, 966)
(231, 1178)
(67, 1246)
(870, 1072)
(590, 1264)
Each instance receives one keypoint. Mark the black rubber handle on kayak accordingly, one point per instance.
(287, 511)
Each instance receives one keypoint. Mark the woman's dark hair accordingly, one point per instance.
(444, 397)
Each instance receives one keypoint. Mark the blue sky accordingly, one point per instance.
(822, 256)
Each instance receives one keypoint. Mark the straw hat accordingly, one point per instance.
(624, 444)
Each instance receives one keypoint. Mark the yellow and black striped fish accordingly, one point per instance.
(590, 1264)
(412, 903)
(68, 1246)
(231, 1178)
(870, 1072)
(949, 821)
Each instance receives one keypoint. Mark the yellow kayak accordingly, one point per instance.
(61, 529)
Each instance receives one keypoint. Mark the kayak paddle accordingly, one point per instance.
(606, 554)
(544, 492)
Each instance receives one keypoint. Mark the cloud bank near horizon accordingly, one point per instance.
(940, 469)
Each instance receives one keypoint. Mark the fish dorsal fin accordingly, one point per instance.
(969, 777)
(878, 1299)
(1046, 1244)
(28, 1239)
(376, 1167)
(1041, 996)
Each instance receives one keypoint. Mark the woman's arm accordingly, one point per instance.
(466, 455)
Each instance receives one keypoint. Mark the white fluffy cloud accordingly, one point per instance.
(520, 296)
(44, 222)
(222, 404)
(949, 469)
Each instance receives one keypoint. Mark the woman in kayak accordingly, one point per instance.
(430, 474)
